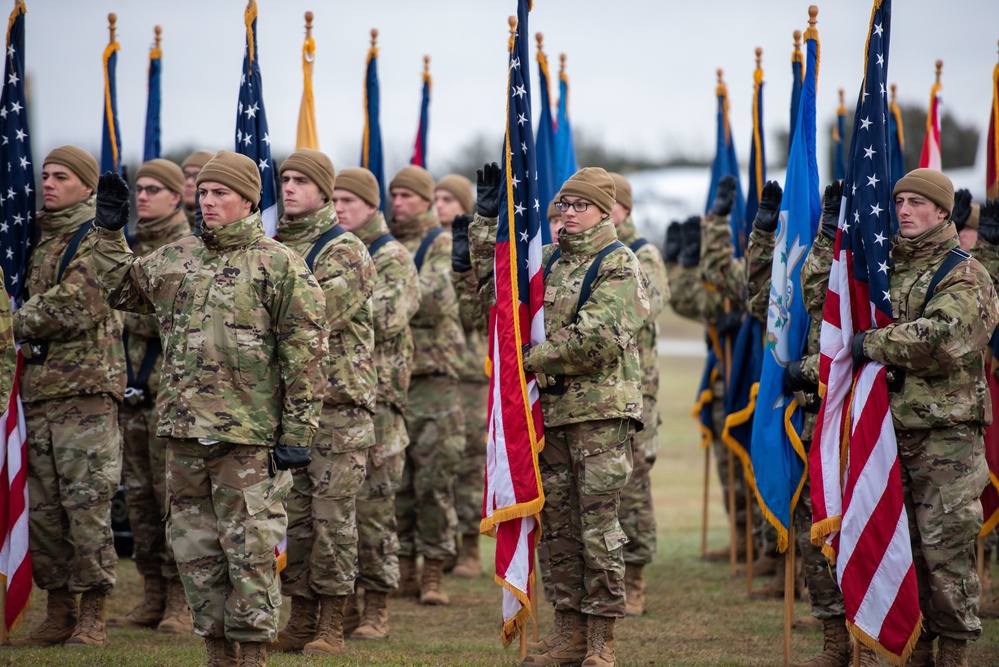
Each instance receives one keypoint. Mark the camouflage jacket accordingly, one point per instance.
(687, 292)
(437, 335)
(721, 270)
(657, 287)
(942, 350)
(346, 274)
(395, 300)
(988, 255)
(598, 354)
(151, 235)
(8, 354)
(815, 276)
(759, 263)
(474, 322)
(83, 335)
(244, 332)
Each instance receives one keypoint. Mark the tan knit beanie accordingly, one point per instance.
(930, 183)
(462, 190)
(165, 172)
(197, 159)
(314, 164)
(623, 190)
(361, 182)
(593, 184)
(79, 161)
(552, 211)
(416, 179)
(235, 171)
(972, 222)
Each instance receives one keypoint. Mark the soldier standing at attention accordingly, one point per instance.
(191, 167)
(436, 426)
(322, 524)
(245, 340)
(71, 385)
(396, 299)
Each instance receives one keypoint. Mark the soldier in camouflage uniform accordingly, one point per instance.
(191, 167)
(245, 344)
(71, 385)
(8, 353)
(454, 197)
(636, 513)
(434, 420)
(396, 299)
(937, 344)
(159, 186)
(590, 373)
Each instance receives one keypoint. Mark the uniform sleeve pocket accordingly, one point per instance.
(615, 539)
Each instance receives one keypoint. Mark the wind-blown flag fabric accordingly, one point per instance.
(856, 483)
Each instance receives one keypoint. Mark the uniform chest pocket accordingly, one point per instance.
(254, 336)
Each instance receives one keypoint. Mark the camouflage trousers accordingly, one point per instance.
(583, 469)
(144, 478)
(820, 576)
(322, 518)
(378, 542)
(424, 504)
(74, 466)
(226, 517)
(943, 474)
(469, 479)
(637, 515)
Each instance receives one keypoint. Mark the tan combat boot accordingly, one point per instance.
(634, 590)
(952, 652)
(374, 620)
(837, 649)
(469, 561)
(409, 584)
(766, 564)
(600, 642)
(221, 652)
(564, 646)
(90, 630)
(149, 612)
(432, 589)
(922, 652)
(177, 615)
(60, 621)
(774, 588)
(301, 627)
(329, 635)
(252, 654)
(352, 612)
(868, 658)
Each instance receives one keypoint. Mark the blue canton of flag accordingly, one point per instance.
(17, 176)
(252, 138)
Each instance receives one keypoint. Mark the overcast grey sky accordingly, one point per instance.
(642, 72)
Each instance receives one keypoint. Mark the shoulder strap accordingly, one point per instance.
(74, 245)
(421, 253)
(954, 257)
(153, 350)
(591, 274)
(638, 243)
(377, 244)
(322, 242)
(551, 263)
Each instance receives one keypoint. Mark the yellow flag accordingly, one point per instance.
(308, 137)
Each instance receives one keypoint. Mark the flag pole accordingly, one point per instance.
(704, 504)
(788, 594)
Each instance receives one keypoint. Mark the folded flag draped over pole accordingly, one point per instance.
(757, 148)
(930, 155)
(308, 135)
(111, 135)
(778, 455)
(856, 482)
(513, 494)
(371, 146)
(16, 231)
(565, 147)
(797, 78)
(545, 141)
(839, 140)
(151, 146)
(252, 138)
(420, 145)
(896, 164)
(992, 149)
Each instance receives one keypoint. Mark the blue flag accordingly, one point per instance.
(896, 146)
(725, 163)
(839, 141)
(371, 146)
(757, 149)
(797, 76)
(565, 148)
(778, 455)
(111, 135)
(252, 138)
(545, 144)
(151, 148)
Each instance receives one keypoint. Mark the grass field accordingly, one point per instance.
(697, 613)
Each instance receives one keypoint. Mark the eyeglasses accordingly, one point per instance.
(151, 190)
(577, 206)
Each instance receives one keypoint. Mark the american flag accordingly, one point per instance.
(513, 494)
(857, 499)
(930, 155)
(17, 206)
(252, 138)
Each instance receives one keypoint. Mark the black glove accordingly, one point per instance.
(112, 202)
(286, 457)
(690, 237)
(962, 208)
(857, 350)
(830, 209)
(769, 209)
(988, 221)
(461, 256)
(673, 243)
(724, 196)
(794, 380)
(487, 187)
(729, 324)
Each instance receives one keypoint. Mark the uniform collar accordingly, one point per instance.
(235, 234)
(418, 226)
(307, 227)
(68, 220)
(935, 241)
(626, 232)
(372, 228)
(591, 241)
(148, 230)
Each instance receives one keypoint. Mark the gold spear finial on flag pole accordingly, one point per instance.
(112, 21)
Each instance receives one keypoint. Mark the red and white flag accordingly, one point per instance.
(15, 560)
(930, 155)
